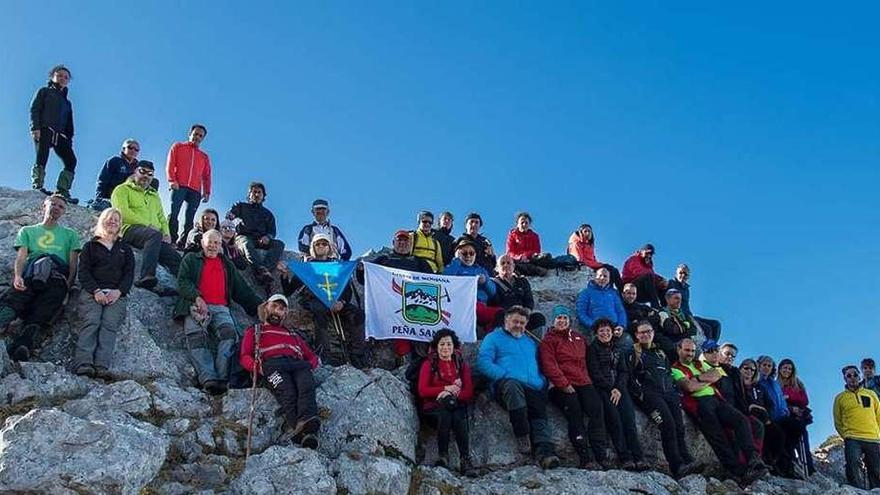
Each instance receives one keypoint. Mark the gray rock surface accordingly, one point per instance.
(127, 396)
(282, 470)
(173, 400)
(363, 475)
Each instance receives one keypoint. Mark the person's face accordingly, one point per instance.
(604, 334)
(868, 371)
(53, 208)
(682, 274)
(425, 224)
(277, 312)
(785, 371)
(645, 334)
(629, 294)
(713, 357)
(131, 151)
(227, 233)
(472, 226)
(562, 322)
(647, 255)
(523, 223)
(851, 376)
(256, 196)
(402, 244)
(515, 323)
(467, 255)
(110, 224)
(602, 277)
(322, 248)
(61, 78)
(748, 372)
(587, 233)
(506, 266)
(143, 176)
(211, 245)
(446, 222)
(320, 213)
(686, 352)
(673, 301)
(445, 348)
(766, 367)
(209, 222)
(196, 136)
(728, 355)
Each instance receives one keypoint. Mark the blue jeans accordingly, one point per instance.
(853, 450)
(211, 365)
(180, 195)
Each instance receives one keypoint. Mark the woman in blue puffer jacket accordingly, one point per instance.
(780, 415)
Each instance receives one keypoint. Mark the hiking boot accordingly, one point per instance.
(442, 462)
(305, 427)
(608, 464)
(67, 197)
(523, 445)
(146, 282)
(43, 190)
(20, 353)
(628, 465)
(687, 469)
(549, 462)
(215, 387)
(164, 291)
(309, 442)
(466, 468)
(642, 466)
(102, 373)
(591, 465)
(85, 369)
(756, 469)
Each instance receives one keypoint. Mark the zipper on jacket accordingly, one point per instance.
(192, 164)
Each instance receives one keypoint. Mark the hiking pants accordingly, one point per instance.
(36, 308)
(585, 399)
(620, 422)
(450, 421)
(646, 290)
(260, 256)
(664, 410)
(527, 408)
(153, 249)
(714, 415)
(352, 327)
(293, 385)
(97, 333)
(50, 139)
(208, 365)
(855, 451)
(711, 328)
(179, 196)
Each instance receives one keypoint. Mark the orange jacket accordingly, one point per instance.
(189, 167)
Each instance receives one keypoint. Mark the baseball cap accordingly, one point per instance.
(278, 297)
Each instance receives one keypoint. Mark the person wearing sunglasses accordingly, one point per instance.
(465, 265)
(857, 421)
(425, 245)
(114, 172)
(752, 400)
(781, 415)
(145, 226)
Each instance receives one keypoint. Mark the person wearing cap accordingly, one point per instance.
(145, 226)
(563, 359)
(255, 233)
(524, 245)
(711, 328)
(464, 265)
(508, 357)
(424, 244)
(485, 252)
(857, 421)
(675, 324)
(114, 172)
(712, 414)
(284, 363)
(208, 283)
(188, 169)
(581, 245)
(322, 225)
(351, 317)
(512, 289)
(52, 128)
(443, 234)
(639, 271)
(600, 300)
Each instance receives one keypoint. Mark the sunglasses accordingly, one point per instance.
(749, 368)
(145, 171)
(468, 253)
(711, 351)
(851, 375)
(133, 148)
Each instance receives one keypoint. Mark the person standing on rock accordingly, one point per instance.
(52, 128)
(563, 357)
(857, 421)
(446, 390)
(106, 273)
(285, 363)
(145, 227)
(45, 265)
(255, 234)
(188, 169)
(322, 225)
(425, 246)
(444, 236)
(509, 359)
(208, 283)
(114, 172)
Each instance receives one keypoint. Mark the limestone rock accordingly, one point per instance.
(282, 470)
(233, 432)
(188, 402)
(363, 475)
(45, 383)
(127, 396)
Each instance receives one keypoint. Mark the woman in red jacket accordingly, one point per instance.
(445, 389)
(795, 394)
(524, 246)
(581, 245)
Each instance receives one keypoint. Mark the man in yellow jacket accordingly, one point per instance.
(857, 420)
(424, 245)
(145, 226)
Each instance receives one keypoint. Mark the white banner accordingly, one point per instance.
(409, 305)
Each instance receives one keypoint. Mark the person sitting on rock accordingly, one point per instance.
(444, 236)
(255, 234)
(424, 245)
(45, 265)
(599, 300)
(322, 225)
(208, 283)
(512, 289)
(869, 371)
(607, 365)
(351, 317)
(445, 389)
(106, 273)
(284, 362)
(675, 324)
(508, 358)
(524, 246)
(230, 249)
(485, 252)
(857, 421)
(639, 271)
(145, 226)
(188, 169)
(464, 265)
(636, 311)
(581, 245)
(653, 390)
(781, 415)
(711, 328)
(208, 220)
(713, 415)
(114, 172)
(728, 351)
(752, 401)
(795, 393)
(563, 358)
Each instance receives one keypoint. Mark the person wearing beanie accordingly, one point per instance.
(485, 252)
(639, 271)
(424, 245)
(322, 225)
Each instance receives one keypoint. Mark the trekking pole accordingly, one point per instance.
(337, 322)
(257, 364)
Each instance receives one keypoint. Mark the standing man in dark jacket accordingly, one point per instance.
(52, 127)
(485, 252)
(114, 172)
(444, 236)
(255, 233)
(322, 225)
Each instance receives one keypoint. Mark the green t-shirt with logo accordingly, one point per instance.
(706, 391)
(57, 240)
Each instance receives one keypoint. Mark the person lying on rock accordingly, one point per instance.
(44, 270)
(445, 390)
(208, 283)
(509, 359)
(284, 362)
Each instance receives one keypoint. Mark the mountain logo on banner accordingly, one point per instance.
(421, 302)
(326, 280)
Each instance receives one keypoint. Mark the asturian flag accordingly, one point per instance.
(326, 279)
(409, 305)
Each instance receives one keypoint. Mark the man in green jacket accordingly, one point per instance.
(145, 226)
(208, 283)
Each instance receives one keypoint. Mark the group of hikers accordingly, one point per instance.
(631, 341)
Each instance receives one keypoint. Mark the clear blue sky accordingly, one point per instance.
(744, 140)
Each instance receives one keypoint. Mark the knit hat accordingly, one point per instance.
(709, 344)
(560, 310)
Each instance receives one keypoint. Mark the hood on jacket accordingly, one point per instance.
(333, 252)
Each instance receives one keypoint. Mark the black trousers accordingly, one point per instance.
(585, 399)
(293, 385)
(448, 421)
(664, 410)
(855, 451)
(711, 328)
(621, 426)
(50, 139)
(354, 345)
(179, 196)
(713, 416)
(36, 306)
(646, 291)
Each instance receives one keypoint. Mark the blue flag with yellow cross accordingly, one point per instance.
(326, 279)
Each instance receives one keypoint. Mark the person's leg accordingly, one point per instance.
(279, 381)
(65, 178)
(443, 418)
(852, 451)
(711, 328)
(536, 323)
(306, 401)
(646, 291)
(736, 421)
(38, 171)
(570, 406)
(793, 430)
(177, 197)
(248, 248)
(90, 313)
(658, 412)
(713, 431)
(200, 354)
(511, 395)
(614, 427)
(46, 303)
(871, 450)
(460, 428)
(149, 241)
(273, 254)
(628, 420)
(673, 403)
(223, 326)
(321, 320)
(112, 318)
(192, 199)
(774, 444)
(169, 258)
(591, 404)
(353, 326)
(536, 405)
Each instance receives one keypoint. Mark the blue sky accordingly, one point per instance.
(741, 139)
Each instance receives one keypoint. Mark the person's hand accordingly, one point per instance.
(618, 331)
(568, 389)
(201, 305)
(481, 279)
(18, 283)
(264, 241)
(457, 382)
(615, 396)
(173, 186)
(205, 198)
(442, 394)
(36, 135)
(337, 307)
(113, 296)
(166, 238)
(100, 297)
(452, 389)
(710, 376)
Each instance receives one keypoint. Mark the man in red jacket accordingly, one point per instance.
(285, 362)
(639, 271)
(189, 179)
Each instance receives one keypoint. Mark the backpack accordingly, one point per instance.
(566, 263)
